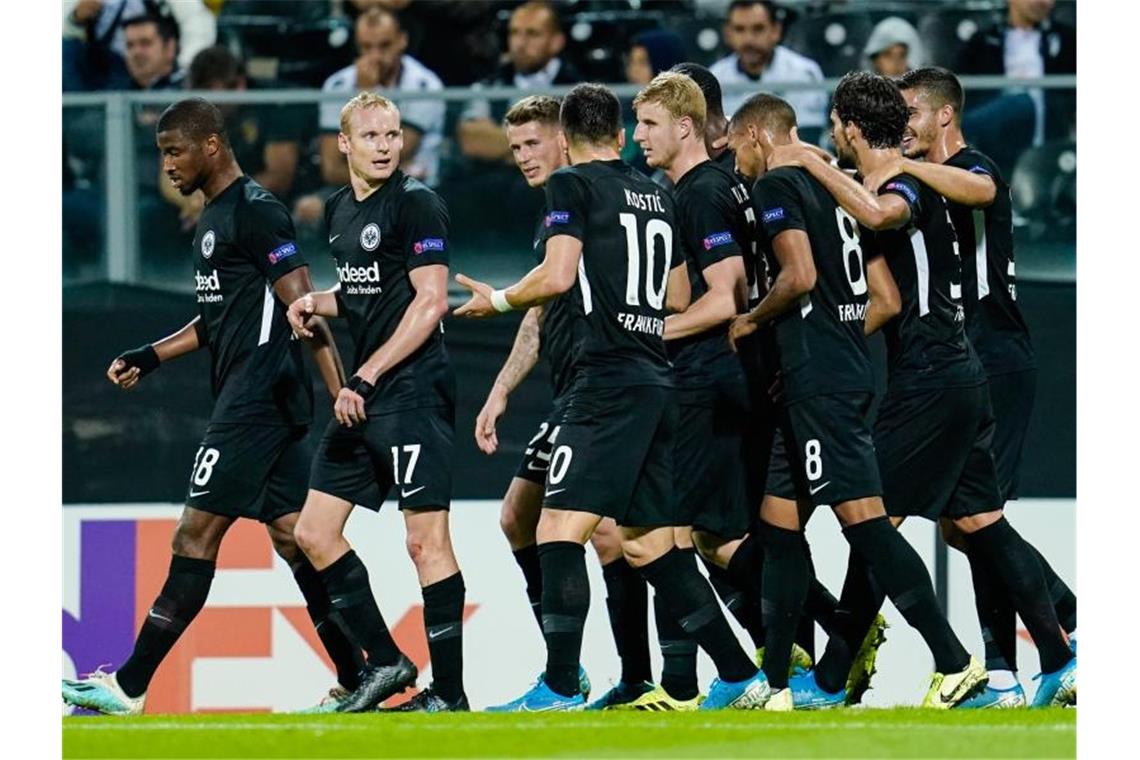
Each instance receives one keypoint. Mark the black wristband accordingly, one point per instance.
(360, 386)
(145, 358)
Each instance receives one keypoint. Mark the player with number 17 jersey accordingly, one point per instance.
(613, 454)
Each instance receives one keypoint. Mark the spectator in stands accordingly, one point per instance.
(753, 30)
(894, 48)
(534, 62)
(152, 53)
(1027, 45)
(95, 44)
(383, 65)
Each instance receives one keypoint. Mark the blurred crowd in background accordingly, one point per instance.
(395, 46)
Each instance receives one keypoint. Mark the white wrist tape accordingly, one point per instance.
(499, 301)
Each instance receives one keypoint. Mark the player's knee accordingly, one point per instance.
(952, 535)
(427, 546)
(190, 543)
(307, 538)
(519, 532)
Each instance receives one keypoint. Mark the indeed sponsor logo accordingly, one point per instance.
(208, 287)
(348, 273)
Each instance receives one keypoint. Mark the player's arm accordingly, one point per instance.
(796, 279)
(884, 302)
(678, 291)
(724, 299)
(876, 212)
(420, 320)
(131, 366)
(519, 363)
(293, 287)
(554, 276)
(973, 189)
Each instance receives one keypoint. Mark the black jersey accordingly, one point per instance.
(556, 331)
(244, 242)
(927, 346)
(376, 242)
(821, 343)
(712, 212)
(989, 282)
(625, 223)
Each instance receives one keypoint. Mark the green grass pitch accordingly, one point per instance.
(729, 734)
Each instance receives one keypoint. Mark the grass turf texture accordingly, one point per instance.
(849, 733)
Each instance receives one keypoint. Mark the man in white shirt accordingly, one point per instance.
(381, 65)
(753, 31)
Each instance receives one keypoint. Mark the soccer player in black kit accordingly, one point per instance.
(252, 460)
(980, 206)
(824, 297)
(611, 238)
(935, 427)
(532, 131)
(395, 417)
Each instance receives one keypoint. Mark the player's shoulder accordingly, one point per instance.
(416, 197)
(785, 178)
(256, 200)
(973, 160)
(342, 80)
(906, 185)
(337, 198)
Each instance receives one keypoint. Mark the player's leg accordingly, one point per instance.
(518, 521)
(195, 550)
(784, 586)
(627, 602)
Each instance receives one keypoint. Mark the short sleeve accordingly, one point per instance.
(267, 234)
(907, 188)
(424, 225)
(777, 205)
(566, 205)
(707, 229)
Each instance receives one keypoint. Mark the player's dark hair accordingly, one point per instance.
(766, 111)
(215, 64)
(591, 114)
(541, 108)
(875, 105)
(939, 84)
(707, 81)
(166, 26)
(195, 118)
(775, 13)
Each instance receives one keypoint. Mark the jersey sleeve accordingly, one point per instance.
(566, 205)
(268, 235)
(707, 229)
(907, 188)
(424, 226)
(777, 205)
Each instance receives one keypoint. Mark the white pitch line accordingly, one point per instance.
(336, 726)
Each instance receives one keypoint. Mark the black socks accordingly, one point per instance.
(443, 623)
(527, 559)
(858, 604)
(565, 602)
(627, 600)
(678, 653)
(181, 599)
(691, 601)
(345, 655)
(785, 586)
(351, 597)
(1015, 564)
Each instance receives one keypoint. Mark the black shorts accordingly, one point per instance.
(613, 455)
(536, 458)
(254, 471)
(708, 463)
(412, 449)
(823, 452)
(934, 453)
(1012, 398)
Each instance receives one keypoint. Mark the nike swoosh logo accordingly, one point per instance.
(406, 494)
(333, 239)
(539, 468)
(433, 635)
(819, 488)
(154, 614)
(556, 490)
(198, 493)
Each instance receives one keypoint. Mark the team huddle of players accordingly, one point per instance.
(712, 384)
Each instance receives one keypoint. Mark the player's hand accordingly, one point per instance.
(720, 142)
(794, 153)
(479, 305)
(740, 327)
(131, 366)
(485, 436)
(299, 313)
(349, 406)
(880, 176)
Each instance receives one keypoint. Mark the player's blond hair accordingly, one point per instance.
(541, 108)
(677, 94)
(362, 101)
